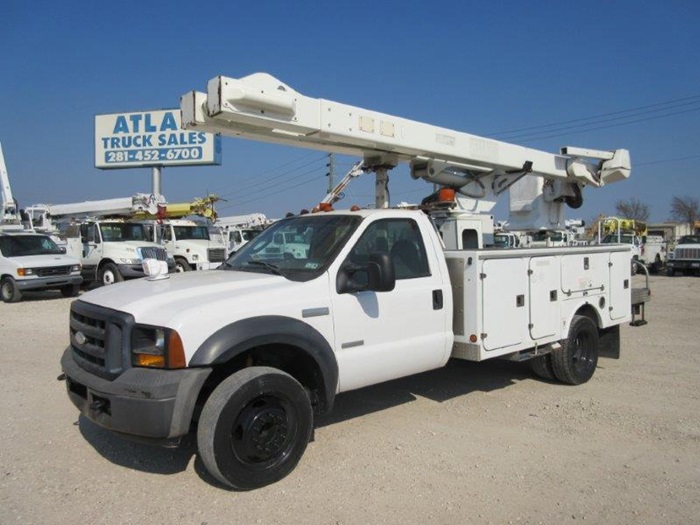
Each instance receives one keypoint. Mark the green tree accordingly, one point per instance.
(632, 209)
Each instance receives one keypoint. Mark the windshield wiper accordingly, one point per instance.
(272, 267)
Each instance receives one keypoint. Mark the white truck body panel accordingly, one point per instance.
(501, 308)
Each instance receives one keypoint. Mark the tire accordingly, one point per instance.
(109, 274)
(542, 367)
(575, 362)
(70, 290)
(254, 428)
(181, 265)
(9, 291)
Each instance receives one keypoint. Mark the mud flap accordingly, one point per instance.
(609, 341)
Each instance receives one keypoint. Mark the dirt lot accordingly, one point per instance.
(479, 443)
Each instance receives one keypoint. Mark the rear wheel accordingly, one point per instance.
(575, 362)
(109, 274)
(9, 291)
(254, 428)
(542, 367)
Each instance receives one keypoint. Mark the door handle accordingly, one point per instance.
(437, 300)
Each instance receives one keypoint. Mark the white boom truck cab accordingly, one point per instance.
(191, 245)
(248, 354)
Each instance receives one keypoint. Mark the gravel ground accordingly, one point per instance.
(479, 443)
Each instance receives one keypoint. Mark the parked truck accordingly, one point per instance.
(685, 258)
(110, 247)
(247, 356)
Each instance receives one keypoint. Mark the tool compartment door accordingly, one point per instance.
(620, 285)
(544, 296)
(504, 296)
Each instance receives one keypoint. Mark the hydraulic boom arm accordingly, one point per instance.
(262, 108)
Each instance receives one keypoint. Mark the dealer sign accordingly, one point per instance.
(151, 138)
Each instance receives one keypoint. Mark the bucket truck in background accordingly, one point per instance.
(111, 247)
(374, 295)
(238, 230)
(10, 218)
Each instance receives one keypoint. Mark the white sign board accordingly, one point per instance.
(151, 138)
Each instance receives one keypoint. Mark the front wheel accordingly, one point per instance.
(254, 428)
(109, 274)
(9, 291)
(70, 290)
(181, 265)
(575, 362)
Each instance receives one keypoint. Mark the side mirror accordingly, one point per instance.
(377, 276)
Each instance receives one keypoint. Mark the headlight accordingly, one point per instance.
(22, 272)
(130, 261)
(156, 347)
(75, 268)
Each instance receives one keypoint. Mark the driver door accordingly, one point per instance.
(385, 335)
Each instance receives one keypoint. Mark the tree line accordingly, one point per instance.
(683, 209)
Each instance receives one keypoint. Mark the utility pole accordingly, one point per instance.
(331, 167)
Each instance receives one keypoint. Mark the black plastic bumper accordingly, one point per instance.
(683, 265)
(153, 404)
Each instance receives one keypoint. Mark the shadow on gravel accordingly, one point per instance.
(136, 455)
(457, 379)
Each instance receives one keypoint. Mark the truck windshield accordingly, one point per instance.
(120, 232)
(22, 245)
(299, 248)
(689, 239)
(184, 233)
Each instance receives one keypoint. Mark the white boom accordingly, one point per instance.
(138, 203)
(262, 108)
(10, 214)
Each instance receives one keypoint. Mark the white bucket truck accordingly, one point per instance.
(248, 355)
(110, 248)
(190, 244)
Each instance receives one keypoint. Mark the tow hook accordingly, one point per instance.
(61, 377)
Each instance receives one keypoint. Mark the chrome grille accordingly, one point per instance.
(52, 270)
(686, 253)
(216, 254)
(151, 252)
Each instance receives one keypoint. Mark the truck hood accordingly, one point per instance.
(162, 300)
(43, 261)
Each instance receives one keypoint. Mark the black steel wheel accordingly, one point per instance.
(575, 362)
(254, 428)
(9, 291)
(181, 265)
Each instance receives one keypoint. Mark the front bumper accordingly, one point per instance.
(677, 264)
(42, 283)
(154, 404)
(131, 271)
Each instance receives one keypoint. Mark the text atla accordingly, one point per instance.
(182, 138)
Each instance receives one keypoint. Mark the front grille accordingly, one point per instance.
(686, 253)
(216, 254)
(151, 252)
(52, 270)
(99, 339)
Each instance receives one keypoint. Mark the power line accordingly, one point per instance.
(638, 110)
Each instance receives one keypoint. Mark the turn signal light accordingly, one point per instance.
(157, 361)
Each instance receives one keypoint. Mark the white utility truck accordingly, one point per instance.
(190, 244)
(238, 230)
(685, 258)
(110, 247)
(30, 261)
(249, 354)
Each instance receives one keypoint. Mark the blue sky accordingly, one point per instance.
(479, 67)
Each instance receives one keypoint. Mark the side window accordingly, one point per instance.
(399, 238)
